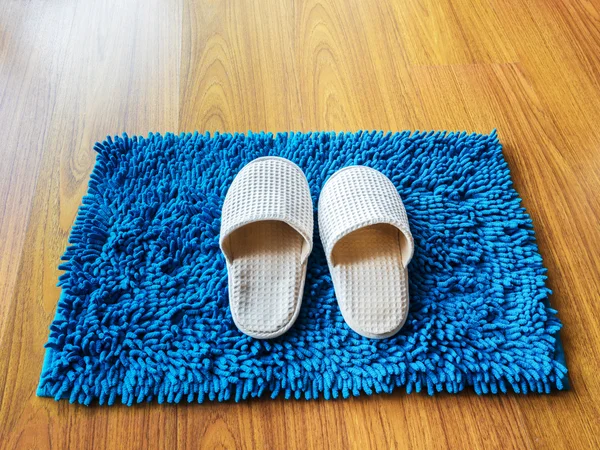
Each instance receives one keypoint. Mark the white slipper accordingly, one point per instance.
(368, 244)
(266, 236)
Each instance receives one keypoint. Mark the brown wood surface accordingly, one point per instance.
(73, 72)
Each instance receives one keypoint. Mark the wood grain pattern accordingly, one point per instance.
(73, 72)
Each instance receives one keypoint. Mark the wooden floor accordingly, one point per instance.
(73, 72)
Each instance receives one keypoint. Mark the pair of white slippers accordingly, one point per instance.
(266, 237)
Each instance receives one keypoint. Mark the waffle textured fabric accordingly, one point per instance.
(267, 224)
(144, 308)
(361, 219)
(355, 198)
(269, 189)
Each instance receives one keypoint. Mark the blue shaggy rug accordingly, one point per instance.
(144, 309)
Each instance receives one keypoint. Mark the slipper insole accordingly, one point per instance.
(371, 283)
(265, 275)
